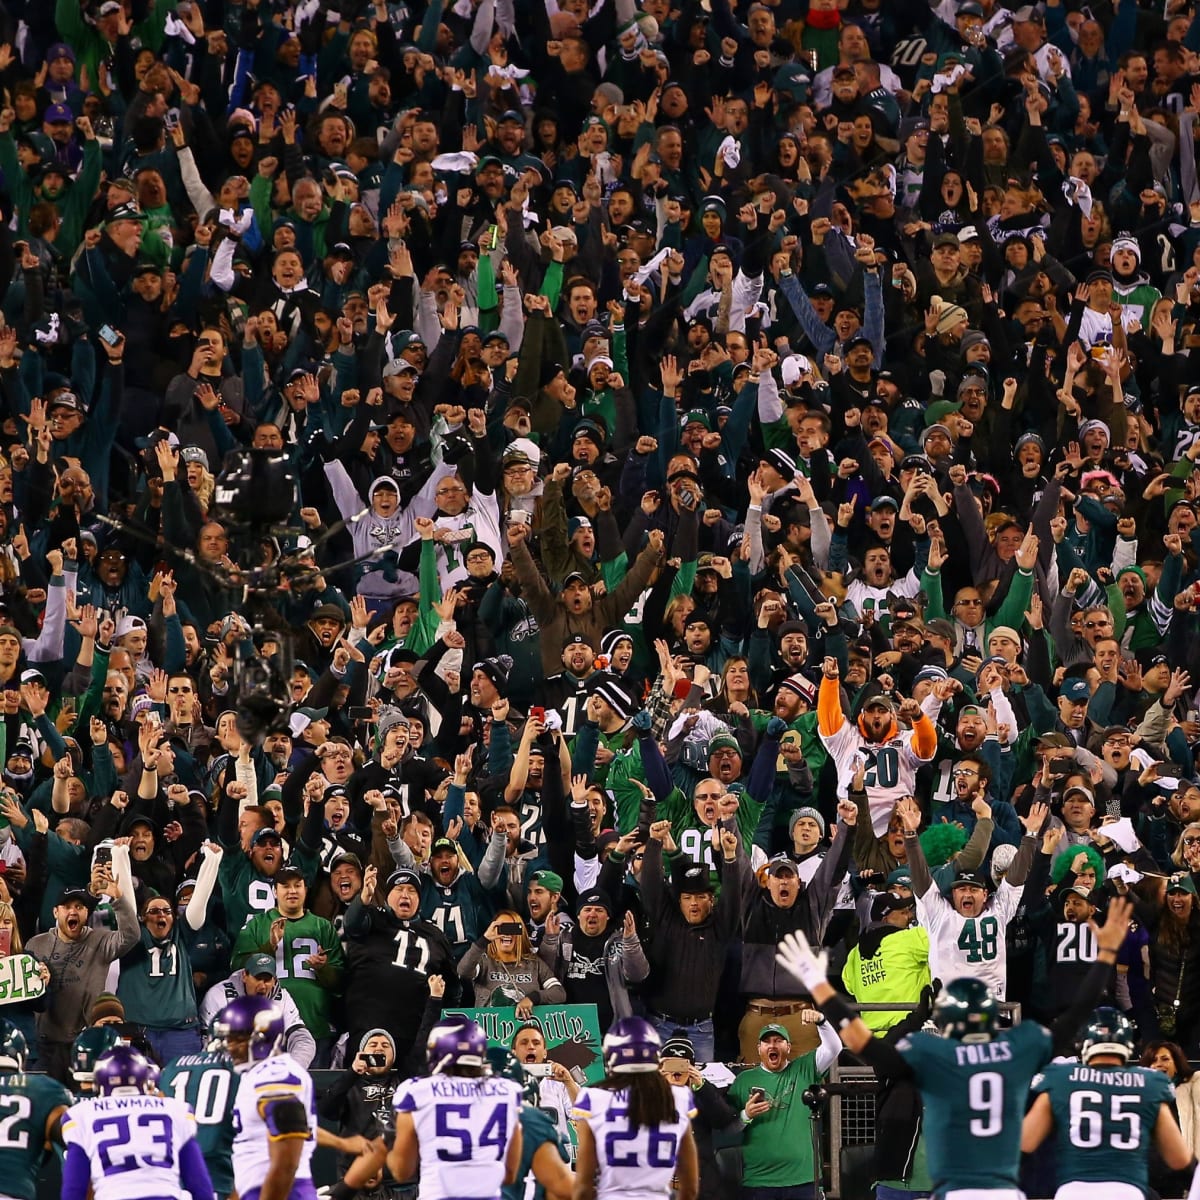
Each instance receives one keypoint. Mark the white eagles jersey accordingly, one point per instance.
(463, 1126)
(974, 946)
(636, 1163)
(276, 1078)
(133, 1143)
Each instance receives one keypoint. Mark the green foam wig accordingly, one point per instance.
(942, 842)
(1062, 864)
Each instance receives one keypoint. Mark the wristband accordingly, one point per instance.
(838, 1012)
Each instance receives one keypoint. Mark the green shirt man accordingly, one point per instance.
(777, 1145)
(308, 953)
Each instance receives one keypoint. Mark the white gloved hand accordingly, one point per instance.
(798, 958)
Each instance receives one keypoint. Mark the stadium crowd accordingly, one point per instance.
(509, 504)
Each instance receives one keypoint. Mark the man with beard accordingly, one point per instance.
(777, 1144)
(459, 902)
(968, 930)
(892, 754)
(79, 959)
(567, 692)
(257, 978)
(156, 985)
(254, 855)
(596, 959)
(543, 903)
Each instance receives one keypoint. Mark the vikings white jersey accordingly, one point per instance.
(974, 946)
(463, 1126)
(263, 1084)
(636, 1163)
(134, 1144)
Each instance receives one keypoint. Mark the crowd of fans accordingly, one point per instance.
(733, 470)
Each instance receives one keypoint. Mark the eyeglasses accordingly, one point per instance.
(158, 912)
(180, 691)
(963, 772)
(968, 603)
(639, 857)
(1191, 841)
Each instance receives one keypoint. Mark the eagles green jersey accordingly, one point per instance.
(314, 989)
(1103, 1120)
(461, 911)
(26, 1102)
(975, 1095)
(208, 1084)
(536, 1131)
(245, 891)
(156, 983)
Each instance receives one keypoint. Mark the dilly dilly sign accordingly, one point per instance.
(572, 1033)
(20, 979)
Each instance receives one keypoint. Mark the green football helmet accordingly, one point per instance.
(13, 1046)
(94, 1041)
(966, 1010)
(1108, 1032)
(505, 1065)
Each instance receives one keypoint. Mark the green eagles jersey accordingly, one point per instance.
(313, 989)
(1103, 1120)
(461, 911)
(156, 984)
(536, 1131)
(208, 1084)
(975, 1096)
(26, 1102)
(245, 891)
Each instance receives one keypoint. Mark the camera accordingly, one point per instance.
(511, 928)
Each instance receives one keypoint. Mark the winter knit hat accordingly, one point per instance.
(366, 1037)
(807, 812)
(497, 669)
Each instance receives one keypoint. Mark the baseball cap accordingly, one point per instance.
(970, 879)
(774, 1028)
(1075, 690)
(260, 966)
(781, 864)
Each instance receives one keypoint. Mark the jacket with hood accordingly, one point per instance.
(624, 963)
(765, 924)
(888, 965)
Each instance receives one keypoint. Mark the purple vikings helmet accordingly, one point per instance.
(255, 1018)
(123, 1069)
(631, 1047)
(458, 1042)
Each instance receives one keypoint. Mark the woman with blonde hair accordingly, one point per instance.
(1186, 855)
(504, 969)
